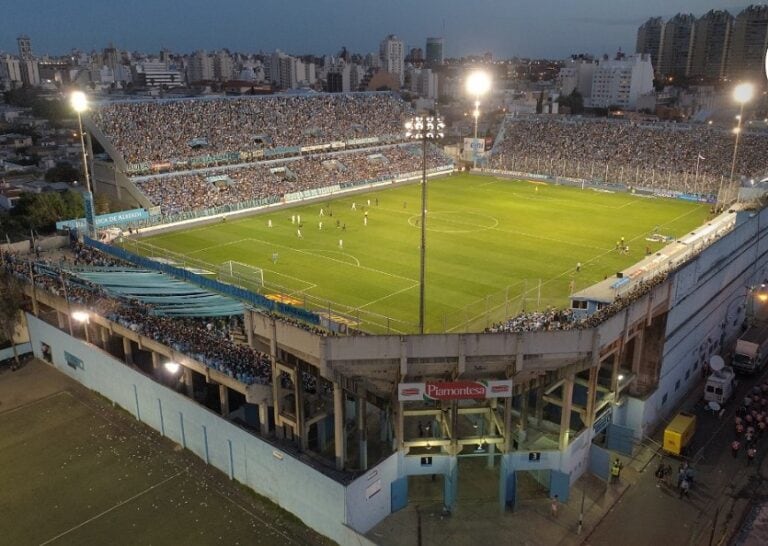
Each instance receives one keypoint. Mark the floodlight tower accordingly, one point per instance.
(478, 84)
(79, 103)
(742, 94)
(423, 128)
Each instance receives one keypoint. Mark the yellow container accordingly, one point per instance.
(679, 432)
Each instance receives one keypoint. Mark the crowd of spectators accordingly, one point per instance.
(209, 189)
(177, 129)
(209, 341)
(647, 154)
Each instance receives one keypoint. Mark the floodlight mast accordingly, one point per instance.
(478, 84)
(423, 128)
(742, 94)
(79, 103)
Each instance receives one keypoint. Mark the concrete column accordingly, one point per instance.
(264, 418)
(61, 321)
(224, 398)
(508, 425)
(298, 394)
(524, 408)
(156, 366)
(362, 433)
(128, 350)
(399, 427)
(104, 333)
(591, 397)
(248, 325)
(539, 405)
(491, 434)
(565, 415)
(189, 381)
(322, 439)
(338, 425)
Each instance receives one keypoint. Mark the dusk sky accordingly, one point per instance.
(537, 28)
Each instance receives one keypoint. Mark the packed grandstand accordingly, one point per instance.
(676, 156)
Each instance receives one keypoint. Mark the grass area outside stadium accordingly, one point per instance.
(495, 247)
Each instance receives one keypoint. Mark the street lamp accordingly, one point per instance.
(478, 84)
(423, 128)
(79, 103)
(742, 94)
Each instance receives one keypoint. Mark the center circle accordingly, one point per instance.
(455, 221)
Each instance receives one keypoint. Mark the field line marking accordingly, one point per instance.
(374, 270)
(216, 246)
(322, 251)
(414, 285)
(32, 403)
(257, 517)
(118, 505)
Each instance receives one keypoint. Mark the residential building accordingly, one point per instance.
(223, 66)
(392, 56)
(25, 48)
(676, 46)
(711, 41)
(621, 82)
(200, 67)
(435, 52)
(157, 74)
(749, 43)
(576, 75)
(10, 71)
(649, 39)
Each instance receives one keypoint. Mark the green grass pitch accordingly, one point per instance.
(494, 247)
(76, 471)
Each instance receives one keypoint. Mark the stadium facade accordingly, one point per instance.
(544, 406)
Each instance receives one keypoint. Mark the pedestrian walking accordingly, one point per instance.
(751, 452)
(735, 446)
(685, 486)
(555, 505)
(659, 474)
(616, 470)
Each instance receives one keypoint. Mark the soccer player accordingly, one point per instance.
(269, 223)
(341, 243)
(322, 212)
(344, 227)
(298, 219)
(377, 201)
(354, 205)
(274, 257)
(578, 267)
(369, 202)
(298, 234)
(319, 225)
(293, 218)
(365, 219)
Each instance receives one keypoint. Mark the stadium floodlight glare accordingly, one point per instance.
(81, 316)
(478, 84)
(79, 103)
(172, 367)
(742, 94)
(423, 128)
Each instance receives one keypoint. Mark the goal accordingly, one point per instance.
(241, 274)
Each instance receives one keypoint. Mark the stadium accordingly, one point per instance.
(576, 285)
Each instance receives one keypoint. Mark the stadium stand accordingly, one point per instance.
(660, 154)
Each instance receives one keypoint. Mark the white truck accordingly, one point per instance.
(751, 349)
(720, 385)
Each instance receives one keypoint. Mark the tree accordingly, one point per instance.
(41, 211)
(11, 303)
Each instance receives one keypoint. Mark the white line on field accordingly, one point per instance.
(258, 518)
(217, 246)
(414, 285)
(118, 505)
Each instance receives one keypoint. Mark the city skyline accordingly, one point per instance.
(545, 29)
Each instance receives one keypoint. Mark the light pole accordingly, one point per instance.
(79, 103)
(423, 128)
(478, 84)
(742, 94)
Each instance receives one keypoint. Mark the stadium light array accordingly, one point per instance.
(172, 367)
(478, 84)
(423, 128)
(742, 94)
(79, 103)
(80, 316)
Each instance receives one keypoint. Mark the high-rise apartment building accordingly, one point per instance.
(649, 39)
(223, 67)
(435, 52)
(200, 67)
(749, 43)
(676, 46)
(392, 55)
(620, 82)
(25, 47)
(711, 41)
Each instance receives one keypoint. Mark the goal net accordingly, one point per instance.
(241, 274)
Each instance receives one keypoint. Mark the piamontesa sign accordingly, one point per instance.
(454, 390)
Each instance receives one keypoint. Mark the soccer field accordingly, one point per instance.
(77, 471)
(494, 247)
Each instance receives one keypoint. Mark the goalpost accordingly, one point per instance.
(242, 273)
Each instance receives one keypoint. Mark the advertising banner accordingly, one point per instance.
(454, 390)
(104, 220)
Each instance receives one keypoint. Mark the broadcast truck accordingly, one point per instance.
(751, 349)
(720, 384)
